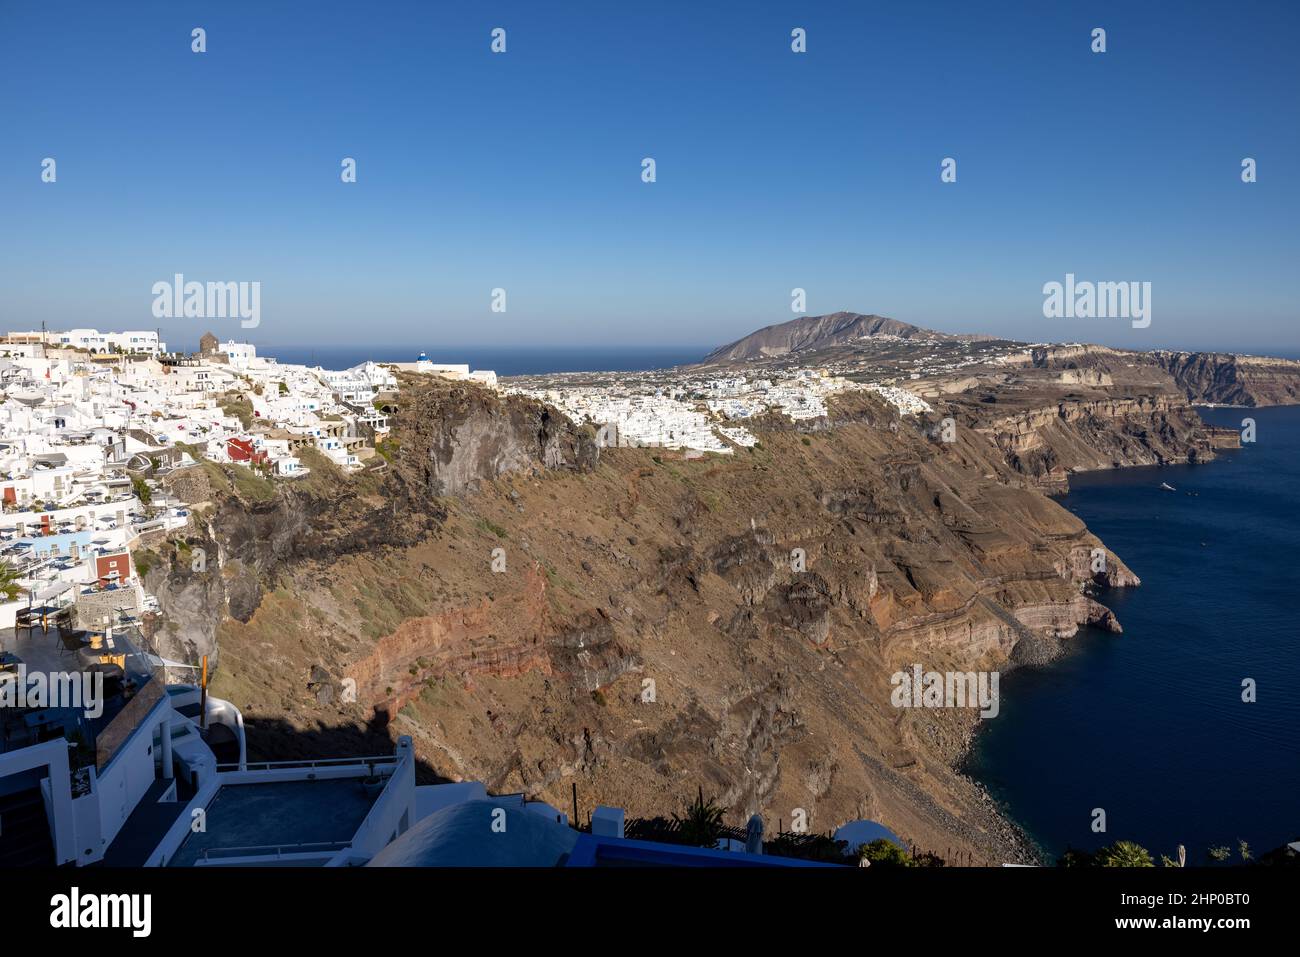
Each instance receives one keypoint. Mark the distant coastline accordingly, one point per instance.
(503, 361)
(525, 360)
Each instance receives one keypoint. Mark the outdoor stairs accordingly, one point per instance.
(24, 830)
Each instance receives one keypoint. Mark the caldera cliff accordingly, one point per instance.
(536, 612)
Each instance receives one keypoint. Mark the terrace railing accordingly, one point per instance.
(386, 759)
(110, 740)
(273, 850)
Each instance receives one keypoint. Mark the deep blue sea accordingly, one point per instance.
(1150, 725)
(503, 361)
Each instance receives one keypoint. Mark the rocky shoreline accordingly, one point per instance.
(1014, 841)
(1009, 835)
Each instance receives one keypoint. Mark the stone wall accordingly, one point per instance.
(91, 608)
(189, 484)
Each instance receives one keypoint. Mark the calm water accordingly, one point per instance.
(502, 361)
(1150, 725)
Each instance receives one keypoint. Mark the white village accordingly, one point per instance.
(93, 423)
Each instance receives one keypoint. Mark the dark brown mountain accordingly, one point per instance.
(810, 333)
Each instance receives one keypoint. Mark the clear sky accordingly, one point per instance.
(775, 170)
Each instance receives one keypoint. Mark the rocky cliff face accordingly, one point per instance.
(535, 615)
(1198, 377)
(1222, 379)
(1047, 443)
(452, 438)
(1056, 410)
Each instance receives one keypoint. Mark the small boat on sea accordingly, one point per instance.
(1167, 487)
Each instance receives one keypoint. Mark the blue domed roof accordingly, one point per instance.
(423, 358)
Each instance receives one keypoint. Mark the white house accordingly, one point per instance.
(92, 340)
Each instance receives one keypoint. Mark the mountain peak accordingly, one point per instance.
(810, 333)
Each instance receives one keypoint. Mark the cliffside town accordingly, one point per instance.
(641, 583)
(108, 442)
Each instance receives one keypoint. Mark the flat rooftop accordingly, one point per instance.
(280, 814)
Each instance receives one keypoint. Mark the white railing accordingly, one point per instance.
(271, 852)
(394, 811)
(384, 759)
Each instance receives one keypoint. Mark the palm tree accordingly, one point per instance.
(703, 822)
(1124, 854)
(9, 586)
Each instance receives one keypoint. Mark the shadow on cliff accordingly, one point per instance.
(274, 739)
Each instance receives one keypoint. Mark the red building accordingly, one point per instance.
(242, 450)
(112, 568)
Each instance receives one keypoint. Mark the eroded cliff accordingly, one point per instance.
(535, 612)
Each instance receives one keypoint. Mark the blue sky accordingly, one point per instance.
(775, 170)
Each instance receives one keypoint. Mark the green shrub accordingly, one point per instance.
(883, 852)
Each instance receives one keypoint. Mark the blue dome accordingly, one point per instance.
(423, 358)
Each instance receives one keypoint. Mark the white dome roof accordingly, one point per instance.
(862, 832)
(462, 835)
